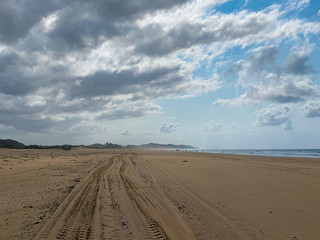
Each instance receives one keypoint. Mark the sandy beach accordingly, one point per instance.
(145, 194)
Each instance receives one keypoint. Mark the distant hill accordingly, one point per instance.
(64, 147)
(9, 143)
(103, 146)
(96, 145)
(162, 146)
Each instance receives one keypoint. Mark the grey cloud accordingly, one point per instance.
(21, 75)
(168, 127)
(284, 92)
(108, 83)
(280, 98)
(15, 107)
(8, 59)
(288, 126)
(312, 109)
(297, 61)
(265, 58)
(116, 114)
(13, 81)
(76, 105)
(18, 17)
(273, 115)
(26, 123)
(77, 28)
(15, 85)
(16, 113)
(125, 10)
(125, 133)
(182, 36)
(84, 25)
(121, 114)
(185, 35)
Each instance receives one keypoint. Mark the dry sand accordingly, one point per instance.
(109, 194)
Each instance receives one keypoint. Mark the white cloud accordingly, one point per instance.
(264, 81)
(168, 127)
(212, 126)
(274, 115)
(242, 28)
(296, 5)
(71, 59)
(312, 108)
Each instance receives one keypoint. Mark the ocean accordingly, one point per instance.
(309, 153)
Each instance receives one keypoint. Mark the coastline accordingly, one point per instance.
(300, 153)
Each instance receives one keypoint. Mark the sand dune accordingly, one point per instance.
(107, 194)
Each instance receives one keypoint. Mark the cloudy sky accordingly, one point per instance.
(210, 73)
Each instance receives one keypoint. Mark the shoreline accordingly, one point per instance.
(295, 153)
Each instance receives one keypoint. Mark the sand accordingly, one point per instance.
(135, 194)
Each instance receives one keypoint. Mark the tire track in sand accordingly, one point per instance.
(150, 225)
(78, 216)
(110, 204)
(159, 222)
(240, 232)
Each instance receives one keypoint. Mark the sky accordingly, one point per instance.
(209, 73)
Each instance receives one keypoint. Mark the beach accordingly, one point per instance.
(157, 194)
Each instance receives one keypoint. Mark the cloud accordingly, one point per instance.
(109, 83)
(274, 115)
(264, 81)
(168, 127)
(22, 74)
(242, 28)
(125, 133)
(312, 108)
(122, 114)
(77, 28)
(212, 126)
(288, 126)
(13, 81)
(296, 63)
(67, 63)
(21, 16)
(27, 124)
(297, 5)
(131, 110)
(18, 17)
(245, 3)
(123, 11)
(36, 123)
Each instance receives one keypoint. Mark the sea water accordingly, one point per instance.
(310, 153)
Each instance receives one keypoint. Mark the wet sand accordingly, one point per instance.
(124, 194)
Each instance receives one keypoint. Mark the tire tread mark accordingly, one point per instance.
(77, 216)
(152, 227)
